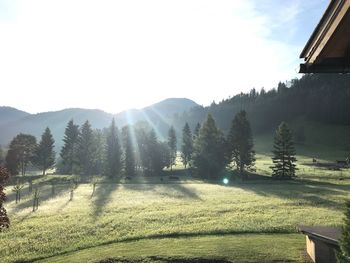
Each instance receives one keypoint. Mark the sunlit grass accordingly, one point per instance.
(188, 218)
(122, 212)
(247, 247)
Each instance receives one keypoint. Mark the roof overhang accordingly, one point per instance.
(328, 49)
(329, 235)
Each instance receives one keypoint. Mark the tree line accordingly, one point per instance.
(314, 97)
(115, 152)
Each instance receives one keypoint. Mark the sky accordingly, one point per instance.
(116, 55)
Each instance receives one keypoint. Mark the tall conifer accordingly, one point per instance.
(44, 156)
(240, 144)
(209, 157)
(129, 153)
(187, 145)
(69, 150)
(113, 151)
(86, 149)
(172, 143)
(283, 153)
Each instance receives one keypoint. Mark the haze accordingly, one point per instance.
(115, 55)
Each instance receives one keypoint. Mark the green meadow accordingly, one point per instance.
(154, 220)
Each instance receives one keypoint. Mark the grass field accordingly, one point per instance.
(150, 220)
(120, 218)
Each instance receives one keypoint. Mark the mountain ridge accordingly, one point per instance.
(14, 121)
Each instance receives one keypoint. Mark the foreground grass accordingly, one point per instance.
(228, 247)
(120, 216)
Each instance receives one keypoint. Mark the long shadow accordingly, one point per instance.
(25, 217)
(182, 191)
(59, 209)
(302, 192)
(45, 193)
(179, 189)
(101, 197)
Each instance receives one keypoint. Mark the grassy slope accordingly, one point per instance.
(187, 220)
(326, 143)
(140, 211)
(248, 247)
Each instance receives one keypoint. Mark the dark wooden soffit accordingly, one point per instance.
(328, 49)
(330, 235)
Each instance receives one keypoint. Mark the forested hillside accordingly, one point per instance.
(317, 98)
(322, 98)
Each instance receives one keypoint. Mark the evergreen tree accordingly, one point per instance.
(344, 255)
(99, 151)
(69, 151)
(2, 157)
(162, 158)
(172, 142)
(86, 149)
(113, 151)
(284, 153)
(154, 156)
(196, 131)
(44, 154)
(187, 145)
(240, 144)
(209, 157)
(143, 159)
(152, 152)
(129, 154)
(20, 153)
(4, 220)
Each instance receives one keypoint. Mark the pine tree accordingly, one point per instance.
(4, 220)
(69, 151)
(187, 145)
(163, 157)
(86, 149)
(99, 151)
(113, 151)
(159, 153)
(284, 153)
(344, 255)
(20, 153)
(129, 154)
(209, 156)
(172, 142)
(196, 131)
(240, 144)
(44, 154)
(152, 152)
(2, 157)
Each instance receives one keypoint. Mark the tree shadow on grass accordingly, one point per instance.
(169, 189)
(63, 206)
(25, 216)
(45, 193)
(101, 197)
(180, 190)
(302, 192)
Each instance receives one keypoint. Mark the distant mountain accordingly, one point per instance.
(13, 121)
(159, 115)
(56, 120)
(9, 114)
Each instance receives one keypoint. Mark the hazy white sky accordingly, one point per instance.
(114, 55)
